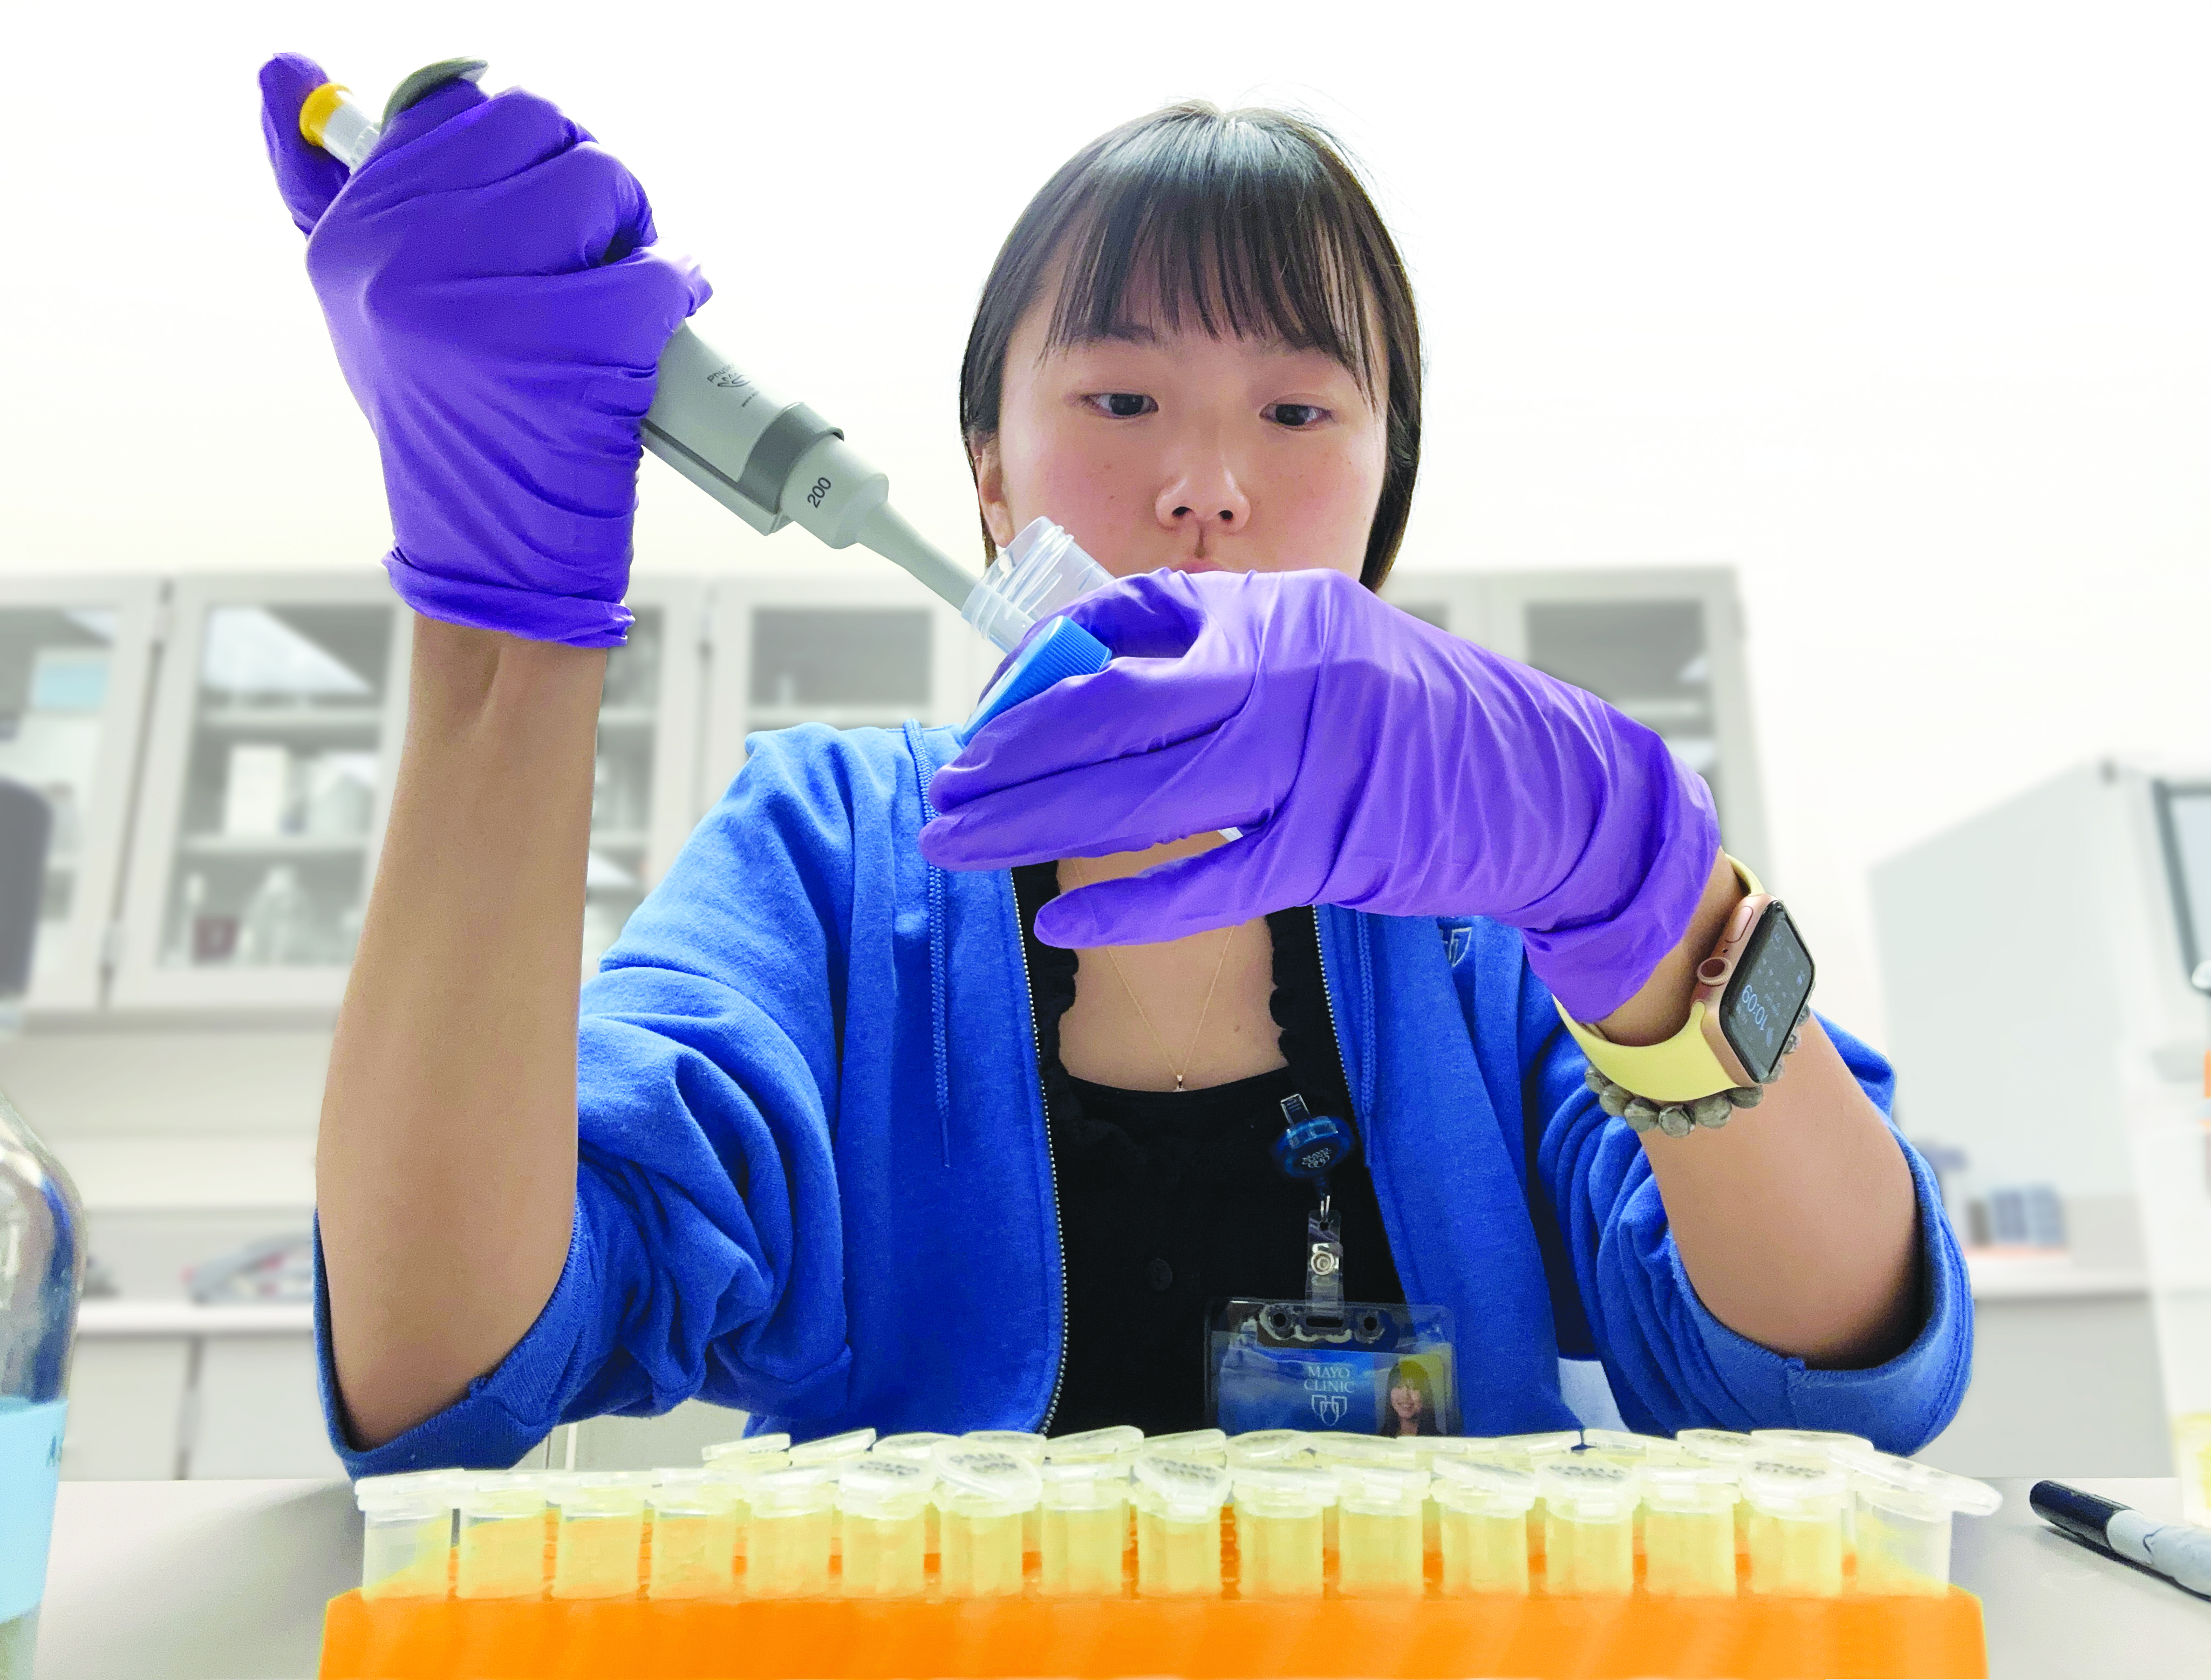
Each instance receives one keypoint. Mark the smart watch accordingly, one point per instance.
(1751, 994)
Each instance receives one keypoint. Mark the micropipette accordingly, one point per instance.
(774, 462)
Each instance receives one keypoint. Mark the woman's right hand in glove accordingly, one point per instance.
(499, 306)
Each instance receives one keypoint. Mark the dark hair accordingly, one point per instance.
(1250, 220)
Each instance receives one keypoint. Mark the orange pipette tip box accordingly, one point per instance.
(1227, 1639)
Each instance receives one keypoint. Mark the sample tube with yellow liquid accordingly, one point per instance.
(918, 1447)
(1179, 1504)
(1797, 1509)
(1905, 1513)
(598, 1548)
(1589, 1526)
(1731, 1452)
(1379, 1552)
(1332, 1450)
(1084, 1524)
(695, 1534)
(406, 1533)
(882, 1512)
(737, 1462)
(985, 1499)
(502, 1538)
(1278, 1530)
(1688, 1530)
(1482, 1515)
(787, 1548)
(1029, 1447)
(1426, 1450)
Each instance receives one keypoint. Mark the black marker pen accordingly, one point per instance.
(2180, 1552)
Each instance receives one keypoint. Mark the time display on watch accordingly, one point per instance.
(1767, 994)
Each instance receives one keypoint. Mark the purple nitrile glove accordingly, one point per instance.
(499, 308)
(1373, 761)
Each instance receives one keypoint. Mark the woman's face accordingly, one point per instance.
(1174, 448)
(1405, 1403)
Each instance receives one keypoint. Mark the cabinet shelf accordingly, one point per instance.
(280, 720)
(889, 715)
(271, 845)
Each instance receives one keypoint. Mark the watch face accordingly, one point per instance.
(1762, 1001)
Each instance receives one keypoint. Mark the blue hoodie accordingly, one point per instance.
(814, 1183)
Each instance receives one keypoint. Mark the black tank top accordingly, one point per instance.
(1169, 1200)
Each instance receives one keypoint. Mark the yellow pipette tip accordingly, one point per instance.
(315, 112)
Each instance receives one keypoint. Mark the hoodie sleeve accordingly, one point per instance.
(1672, 1365)
(707, 1257)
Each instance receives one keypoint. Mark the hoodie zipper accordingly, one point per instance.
(1051, 1163)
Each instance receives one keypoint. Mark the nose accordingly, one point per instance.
(1209, 500)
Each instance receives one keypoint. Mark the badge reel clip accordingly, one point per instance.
(1369, 1368)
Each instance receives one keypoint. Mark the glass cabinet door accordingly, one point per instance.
(644, 791)
(266, 789)
(73, 659)
(1665, 646)
(844, 650)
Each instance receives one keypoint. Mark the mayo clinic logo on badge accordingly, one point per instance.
(1330, 1408)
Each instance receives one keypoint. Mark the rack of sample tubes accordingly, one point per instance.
(1276, 1515)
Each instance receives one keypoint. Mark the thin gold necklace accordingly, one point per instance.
(1144, 1016)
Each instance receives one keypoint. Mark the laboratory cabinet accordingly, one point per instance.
(848, 651)
(74, 657)
(278, 708)
(1663, 644)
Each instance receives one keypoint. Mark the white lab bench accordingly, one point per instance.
(192, 1580)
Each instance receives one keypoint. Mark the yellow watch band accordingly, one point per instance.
(1680, 1070)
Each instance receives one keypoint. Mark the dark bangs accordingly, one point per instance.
(1248, 223)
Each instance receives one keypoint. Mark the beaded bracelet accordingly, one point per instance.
(1678, 1120)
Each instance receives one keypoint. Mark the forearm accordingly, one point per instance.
(1797, 1222)
(445, 1167)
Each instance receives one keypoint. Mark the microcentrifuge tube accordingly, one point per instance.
(1589, 1526)
(1084, 1526)
(694, 1535)
(1178, 1502)
(1795, 1527)
(502, 1538)
(1688, 1530)
(787, 1548)
(598, 1548)
(1205, 1446)
(883, 1511)
(406, 1533)
(1278, 1531)
(1482, 1515)
(1905, 1513)
(1029, 1447)
(985, 1498)
(1378, 1531)
(918, 1447)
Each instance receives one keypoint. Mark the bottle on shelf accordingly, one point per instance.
(41, 1275)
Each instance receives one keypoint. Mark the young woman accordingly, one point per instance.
(936, 1089)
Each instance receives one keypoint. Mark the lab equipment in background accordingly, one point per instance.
(275, 1269)
(41, 1268)
(2041, 961)
(27, 823)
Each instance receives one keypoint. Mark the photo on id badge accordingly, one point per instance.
(1362, 1367)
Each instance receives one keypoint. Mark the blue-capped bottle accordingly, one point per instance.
(41, 1272)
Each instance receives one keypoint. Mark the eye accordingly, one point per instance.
(1122, 405)
(1296, 416)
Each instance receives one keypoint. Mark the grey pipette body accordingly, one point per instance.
(772, 462)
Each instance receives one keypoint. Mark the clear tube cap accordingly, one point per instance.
(1023, 1444)
(1116, 1441)
(1588, 1491)
(997, 1479)
(1488, 1485)
(918, 1444)
(1284, 1492)
(1918, 1490)
(1182, 1490)
(884, 1488)
(1041, 572)
(1795, 1488)
(795, 1492)
(833, 1449)
(753, 1446)
(1380, 1489)
(415, 1494)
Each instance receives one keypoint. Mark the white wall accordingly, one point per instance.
(1898, 308)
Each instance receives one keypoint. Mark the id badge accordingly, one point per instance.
(1356, 1367)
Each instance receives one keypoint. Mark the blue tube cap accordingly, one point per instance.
(1063, 648)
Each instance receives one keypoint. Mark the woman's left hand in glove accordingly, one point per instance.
(1372, 760)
